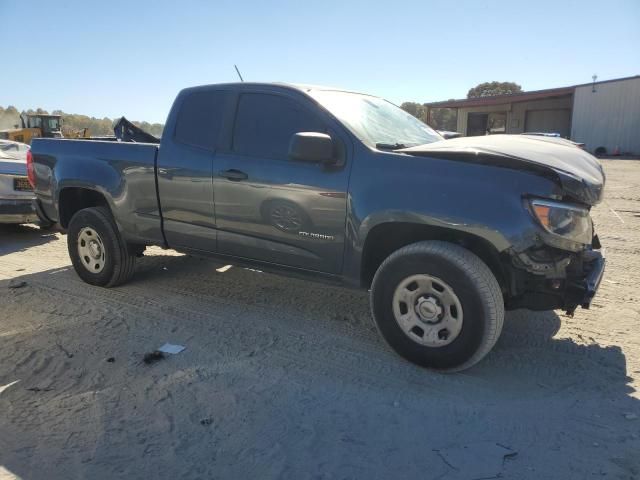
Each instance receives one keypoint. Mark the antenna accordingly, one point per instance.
(238, 72)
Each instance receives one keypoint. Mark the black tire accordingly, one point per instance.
(470, 280)
(119, 262)
(600, 152)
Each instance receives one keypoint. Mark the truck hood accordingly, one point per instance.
(579, 172)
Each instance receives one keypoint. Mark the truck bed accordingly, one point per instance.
(114, 169)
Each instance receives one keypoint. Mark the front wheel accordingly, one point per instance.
(98, 253)
(438, 305)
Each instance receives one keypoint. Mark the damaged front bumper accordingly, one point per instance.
(582, 292)
(562, 281)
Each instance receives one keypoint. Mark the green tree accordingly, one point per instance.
(9, 117)
(490, 89)
(415, 109)
(73, 122)
(444, 119)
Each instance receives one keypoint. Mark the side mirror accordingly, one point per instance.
(311, 147)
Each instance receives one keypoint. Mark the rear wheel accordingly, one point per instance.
(98, 253)
(438, 305)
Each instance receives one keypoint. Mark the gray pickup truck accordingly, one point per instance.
(344, 188)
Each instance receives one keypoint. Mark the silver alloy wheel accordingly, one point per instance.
(91, 250)
(427, 310)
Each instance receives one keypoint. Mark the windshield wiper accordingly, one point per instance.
(390, 146)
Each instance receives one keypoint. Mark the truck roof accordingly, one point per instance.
(291, 86)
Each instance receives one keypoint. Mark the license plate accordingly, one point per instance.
(21, 184)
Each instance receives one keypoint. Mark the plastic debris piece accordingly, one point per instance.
(171, 348)
(4, 387)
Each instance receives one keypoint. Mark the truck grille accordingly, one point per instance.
(21, 184)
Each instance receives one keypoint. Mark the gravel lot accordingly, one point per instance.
(287, 379)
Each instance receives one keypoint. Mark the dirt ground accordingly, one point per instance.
(287, 379)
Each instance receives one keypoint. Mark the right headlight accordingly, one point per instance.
(565, 220)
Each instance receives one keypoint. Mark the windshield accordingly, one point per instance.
(377, 122)
(53, 123)
(34, 122)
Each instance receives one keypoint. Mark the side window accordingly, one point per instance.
(265, 124)
(200, 118)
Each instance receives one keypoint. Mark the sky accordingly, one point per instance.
(112, 58)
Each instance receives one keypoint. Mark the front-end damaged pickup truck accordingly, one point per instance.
(344, 188)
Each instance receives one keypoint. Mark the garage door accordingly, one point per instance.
(550, 121)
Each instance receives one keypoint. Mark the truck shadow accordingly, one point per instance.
(17, 238)
(532, 352)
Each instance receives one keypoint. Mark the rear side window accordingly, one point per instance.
(265, 124)
(200, 118)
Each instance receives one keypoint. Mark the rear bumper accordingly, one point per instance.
(18, 211)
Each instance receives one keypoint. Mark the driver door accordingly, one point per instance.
(268, 207)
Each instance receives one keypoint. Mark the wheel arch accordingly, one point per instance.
(385, 238)
(72, 199)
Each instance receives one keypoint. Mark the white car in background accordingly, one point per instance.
(16, 194)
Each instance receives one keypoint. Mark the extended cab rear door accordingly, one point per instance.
(268, 207)
(185, 163)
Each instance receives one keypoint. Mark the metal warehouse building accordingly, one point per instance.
(601, 115)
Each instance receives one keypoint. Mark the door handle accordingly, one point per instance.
(233, 174)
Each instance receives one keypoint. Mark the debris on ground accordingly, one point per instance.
(4, 387)
(17, 283)
(171, 348)
(152, 357)
(476, 460)
(159, 354)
